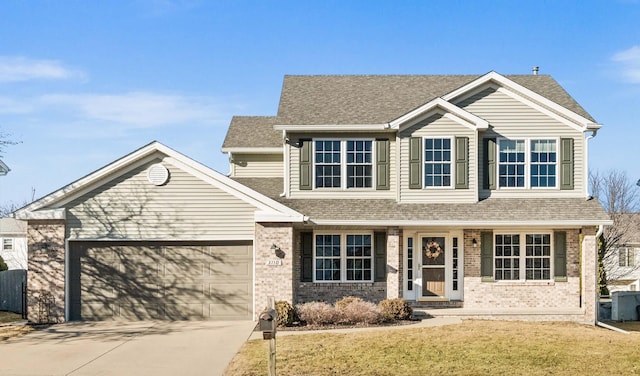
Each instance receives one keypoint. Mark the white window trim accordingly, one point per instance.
(343, 255)
(628, 250)
(343, 164)
(452, 163)
(522, 259)
(527, 163)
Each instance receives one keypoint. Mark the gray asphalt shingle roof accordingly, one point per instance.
(503, 210)
(365, 99)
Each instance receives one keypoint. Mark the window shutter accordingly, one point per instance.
(560, 256)
(380, 256)
(566, 163)
(490, 155)
(307, 257)
(462, 162)
(415, 162)
(486, 256)
(306, 165)
(382, 165)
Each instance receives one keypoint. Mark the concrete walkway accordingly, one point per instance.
(126, 348)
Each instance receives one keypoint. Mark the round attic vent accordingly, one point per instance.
(157, 174)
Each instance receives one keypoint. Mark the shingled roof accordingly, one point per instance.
(380, 99)
(551, 211)
(252, 131)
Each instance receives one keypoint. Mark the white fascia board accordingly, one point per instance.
(462, 116)
(253, 150)
(261, 216)
(474, 224)
(502, 80)
(42, 214)
(333, 128)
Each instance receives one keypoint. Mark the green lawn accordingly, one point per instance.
(474, 347)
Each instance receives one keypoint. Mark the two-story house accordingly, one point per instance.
(622, 263)
(463, 191)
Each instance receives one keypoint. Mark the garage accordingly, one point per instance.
(135, 280)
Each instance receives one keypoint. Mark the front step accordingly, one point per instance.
(441, 304)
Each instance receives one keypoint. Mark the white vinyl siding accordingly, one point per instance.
(512, 119)
(186, 208)
(257, 166)
(437, 126)
(294, 171)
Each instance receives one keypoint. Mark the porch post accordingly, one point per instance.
(589, 275)
(394, 263)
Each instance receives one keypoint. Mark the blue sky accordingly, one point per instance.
(83, 83)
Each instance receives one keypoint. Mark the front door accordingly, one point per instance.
(433, 266)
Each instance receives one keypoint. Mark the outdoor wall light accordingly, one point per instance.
(474, 242)
(274, 248)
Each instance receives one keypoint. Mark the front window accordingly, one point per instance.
(437, 162)
(535, 260)
(335, 157)
(7, 244)
(343, 257)
(527, 163)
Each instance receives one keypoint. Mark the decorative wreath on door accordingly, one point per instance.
(432, 250)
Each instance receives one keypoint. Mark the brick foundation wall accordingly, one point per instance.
(273, 280)
(330, 292)
(46, 274)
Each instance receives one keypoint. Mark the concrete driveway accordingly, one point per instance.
(126, 348)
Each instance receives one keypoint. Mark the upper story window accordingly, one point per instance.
(343, 163)
(527, 163)
(7, 244)
(437, 162)
(626, 257)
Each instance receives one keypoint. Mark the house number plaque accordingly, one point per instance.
(274, 262)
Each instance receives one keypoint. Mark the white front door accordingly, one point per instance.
(433, 266)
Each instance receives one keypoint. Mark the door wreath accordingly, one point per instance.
(432, 250)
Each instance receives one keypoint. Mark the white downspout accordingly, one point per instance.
(285, 157)
(586, 164)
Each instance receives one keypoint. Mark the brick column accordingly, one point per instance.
(589, 275)
(46, 274)
(394, 263)
(274, 270)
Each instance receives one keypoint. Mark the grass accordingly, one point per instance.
(7, 332)
(474, 347)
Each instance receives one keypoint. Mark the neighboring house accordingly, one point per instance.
(13, 243)
(461, 191)
(623, 269)
(4, 169)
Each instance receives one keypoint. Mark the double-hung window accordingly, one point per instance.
(7, 244)
(437, 162)
(343, 257)
(527, 163)
(510, 261)
(345, 164)
(626, 257)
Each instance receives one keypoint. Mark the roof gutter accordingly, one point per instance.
(484, 224)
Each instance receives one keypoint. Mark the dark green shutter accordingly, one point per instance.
(566, 163)
(380, 256)
(462, 162)
(560, 256)
(415, 162)
(306, 165)
(486, 256)
(383, 165)
(490, 155)
(307, 257)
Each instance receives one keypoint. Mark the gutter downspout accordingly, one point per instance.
(586, 163)
(597, 295)
(285, 157)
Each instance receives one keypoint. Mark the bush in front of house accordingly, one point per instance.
(342, 303)
(395, 309)
(286, 313)
(3, 265)
(317, 313)
(358, 312)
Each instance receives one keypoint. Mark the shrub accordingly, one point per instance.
(359, 312)
(317, 313)
(344, 302)
(286, 313)
(395, 309)
(3, 265)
